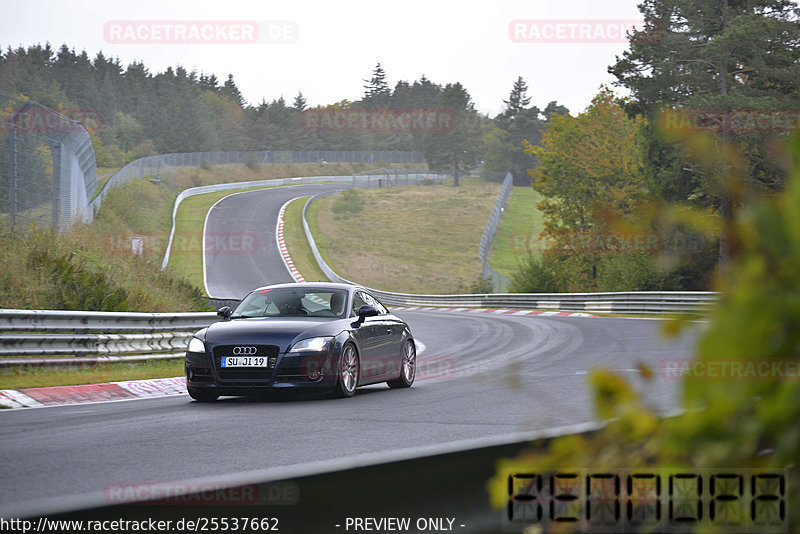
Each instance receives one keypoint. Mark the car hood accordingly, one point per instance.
(273, 331)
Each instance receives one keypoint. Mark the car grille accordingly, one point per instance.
(246, 373)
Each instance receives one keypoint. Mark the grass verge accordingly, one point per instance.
(297, 244)
(518, 231)
(33, 377)
(417, 239)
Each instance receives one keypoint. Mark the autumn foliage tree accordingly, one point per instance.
(588, 165)
(589, 161)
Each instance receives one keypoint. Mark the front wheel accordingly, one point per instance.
(202, 396)
(408, 367)
(347, 379)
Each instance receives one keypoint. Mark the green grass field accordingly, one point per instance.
(416, 239)
(34, 377)
(517, 232)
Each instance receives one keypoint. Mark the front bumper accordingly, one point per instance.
(299, 370)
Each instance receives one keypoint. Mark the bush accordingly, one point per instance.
(206, 165)
(534, 275)
(479, 286)
(634, 272)
(348, 202)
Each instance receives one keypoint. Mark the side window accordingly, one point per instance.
(358, 301)
(372, 301)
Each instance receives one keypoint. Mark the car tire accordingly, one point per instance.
(203, 396)
(408, 366)
(348, 374)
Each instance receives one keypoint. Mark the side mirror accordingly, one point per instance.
(225, 312)
(366, 311)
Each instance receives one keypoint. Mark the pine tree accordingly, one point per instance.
(517, 100)
(299, 102)
(456, 148)
(712, 55)
(377, 91)
(229, 89)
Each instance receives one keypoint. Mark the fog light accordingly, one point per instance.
(313, 375)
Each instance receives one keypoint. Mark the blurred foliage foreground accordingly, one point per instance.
(746, 423)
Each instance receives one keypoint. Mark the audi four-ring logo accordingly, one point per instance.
(244, 351)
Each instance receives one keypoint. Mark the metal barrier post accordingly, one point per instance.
(12, 182)
(56, 151)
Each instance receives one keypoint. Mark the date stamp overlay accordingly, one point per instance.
(651, 500)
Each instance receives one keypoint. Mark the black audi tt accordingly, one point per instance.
(323, 336)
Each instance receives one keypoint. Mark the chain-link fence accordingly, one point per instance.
(163, 167)
(499, 282)
(47, 166)
(493, 176)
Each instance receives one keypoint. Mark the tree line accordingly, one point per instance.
(137, 113)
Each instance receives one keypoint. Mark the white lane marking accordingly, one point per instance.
(95, 402)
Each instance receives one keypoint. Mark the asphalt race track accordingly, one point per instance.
(480, 375)
(233, 274)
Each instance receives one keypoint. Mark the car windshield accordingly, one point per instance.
(292, 302)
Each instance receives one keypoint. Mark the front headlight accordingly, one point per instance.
(195, 345)
(314, 344)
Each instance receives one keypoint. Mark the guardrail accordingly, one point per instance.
(92, 337)
(642, 302)
(95, 337)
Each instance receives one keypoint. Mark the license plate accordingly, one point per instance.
(244, 361)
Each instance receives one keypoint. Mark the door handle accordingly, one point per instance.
(389, 331)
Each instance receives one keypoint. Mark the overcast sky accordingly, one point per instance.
(338, 43)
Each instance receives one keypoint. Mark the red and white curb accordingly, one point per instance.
(87, 393)
(498, 311)
(287, 260)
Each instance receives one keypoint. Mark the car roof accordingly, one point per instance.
(323, 285)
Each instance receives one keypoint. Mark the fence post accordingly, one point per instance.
(56, 151)
(12, 179)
